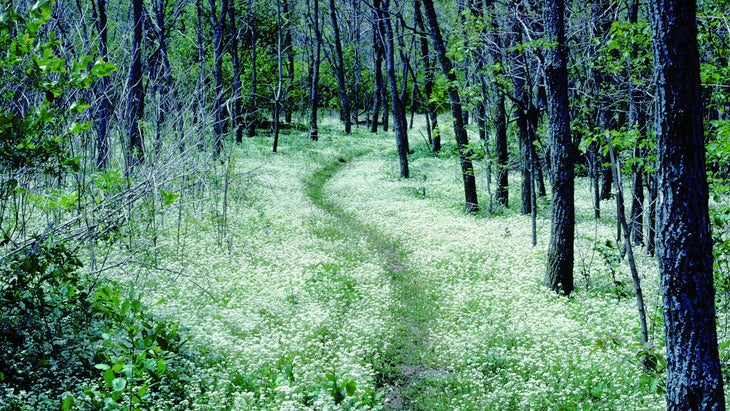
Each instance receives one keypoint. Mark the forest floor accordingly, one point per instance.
(321, 280)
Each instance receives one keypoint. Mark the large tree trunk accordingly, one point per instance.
(102, 116)
(135, 100)
(462, 140)
(399, 112)
(559, 276)
(340, 71)
(316, 61)
(289, 47)
(684, 241)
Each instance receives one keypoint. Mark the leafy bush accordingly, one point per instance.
(68, 339)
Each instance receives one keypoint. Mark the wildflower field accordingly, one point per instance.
(329, 283)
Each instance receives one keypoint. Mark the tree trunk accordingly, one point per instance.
(237, 115)
(251, 106)
(500, 113)
(399, 113)
(217, 20)
(378, 48)
(462, 140)
(201, 91)
(684, 241)
(135, 100)
(559, 276)
(637, 122)
(280, 73)
(521, 100)
(102, 116)
(316, 61)
(431, 114)
(340, 71)
(289, 47)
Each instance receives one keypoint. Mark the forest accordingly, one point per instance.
(364, 204)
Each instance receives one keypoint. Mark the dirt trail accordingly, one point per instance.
(405, 364)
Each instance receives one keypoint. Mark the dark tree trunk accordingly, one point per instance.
(378, 48)
(340, 71)
(102, 116)
(559, 275)
(500, 113)
(251, 106)
(289, 49)
(237, 115)
(462, 140)
(637, 121)
(316, 61)
(399, 113)
(434, 137)
(684, 241)
(521, 101)
(162, 74)
(201, 92)
(280, 73)
(217, 20)
(135, 100)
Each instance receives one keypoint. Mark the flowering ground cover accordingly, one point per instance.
(322, 281)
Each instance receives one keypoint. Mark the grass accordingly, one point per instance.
(334, 284)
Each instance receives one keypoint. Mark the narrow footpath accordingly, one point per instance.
(405, 366)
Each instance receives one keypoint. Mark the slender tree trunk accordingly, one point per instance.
(462, 140)
(684, 243)
(521, 101)
(500, 113)
(280, 72)
(102, 116)
(378, 48)
(201, 91)
(289, 49)
(637, 121)
(135, 100)
(560, 255)
(428, 82)
(237, 115)
(340, 71)
(316, 61)
(251, 106)
(399, 114)
(217, 20)
(163, 75)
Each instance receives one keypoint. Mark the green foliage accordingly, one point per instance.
(35, 100)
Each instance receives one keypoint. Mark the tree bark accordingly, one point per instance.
(559, 276)
(135, 100)
(399, 113)
(637, 122)
(378, 49)
(251, 105)
(434, 137)
(102, 116)
(684, 241)
(217, 21)
(462, 140)
(237, 115)
(500, 113)
(340, 71)
(316, 61)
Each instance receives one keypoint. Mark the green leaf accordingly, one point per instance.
(67, 403)
(119, 384)
(350, 387)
